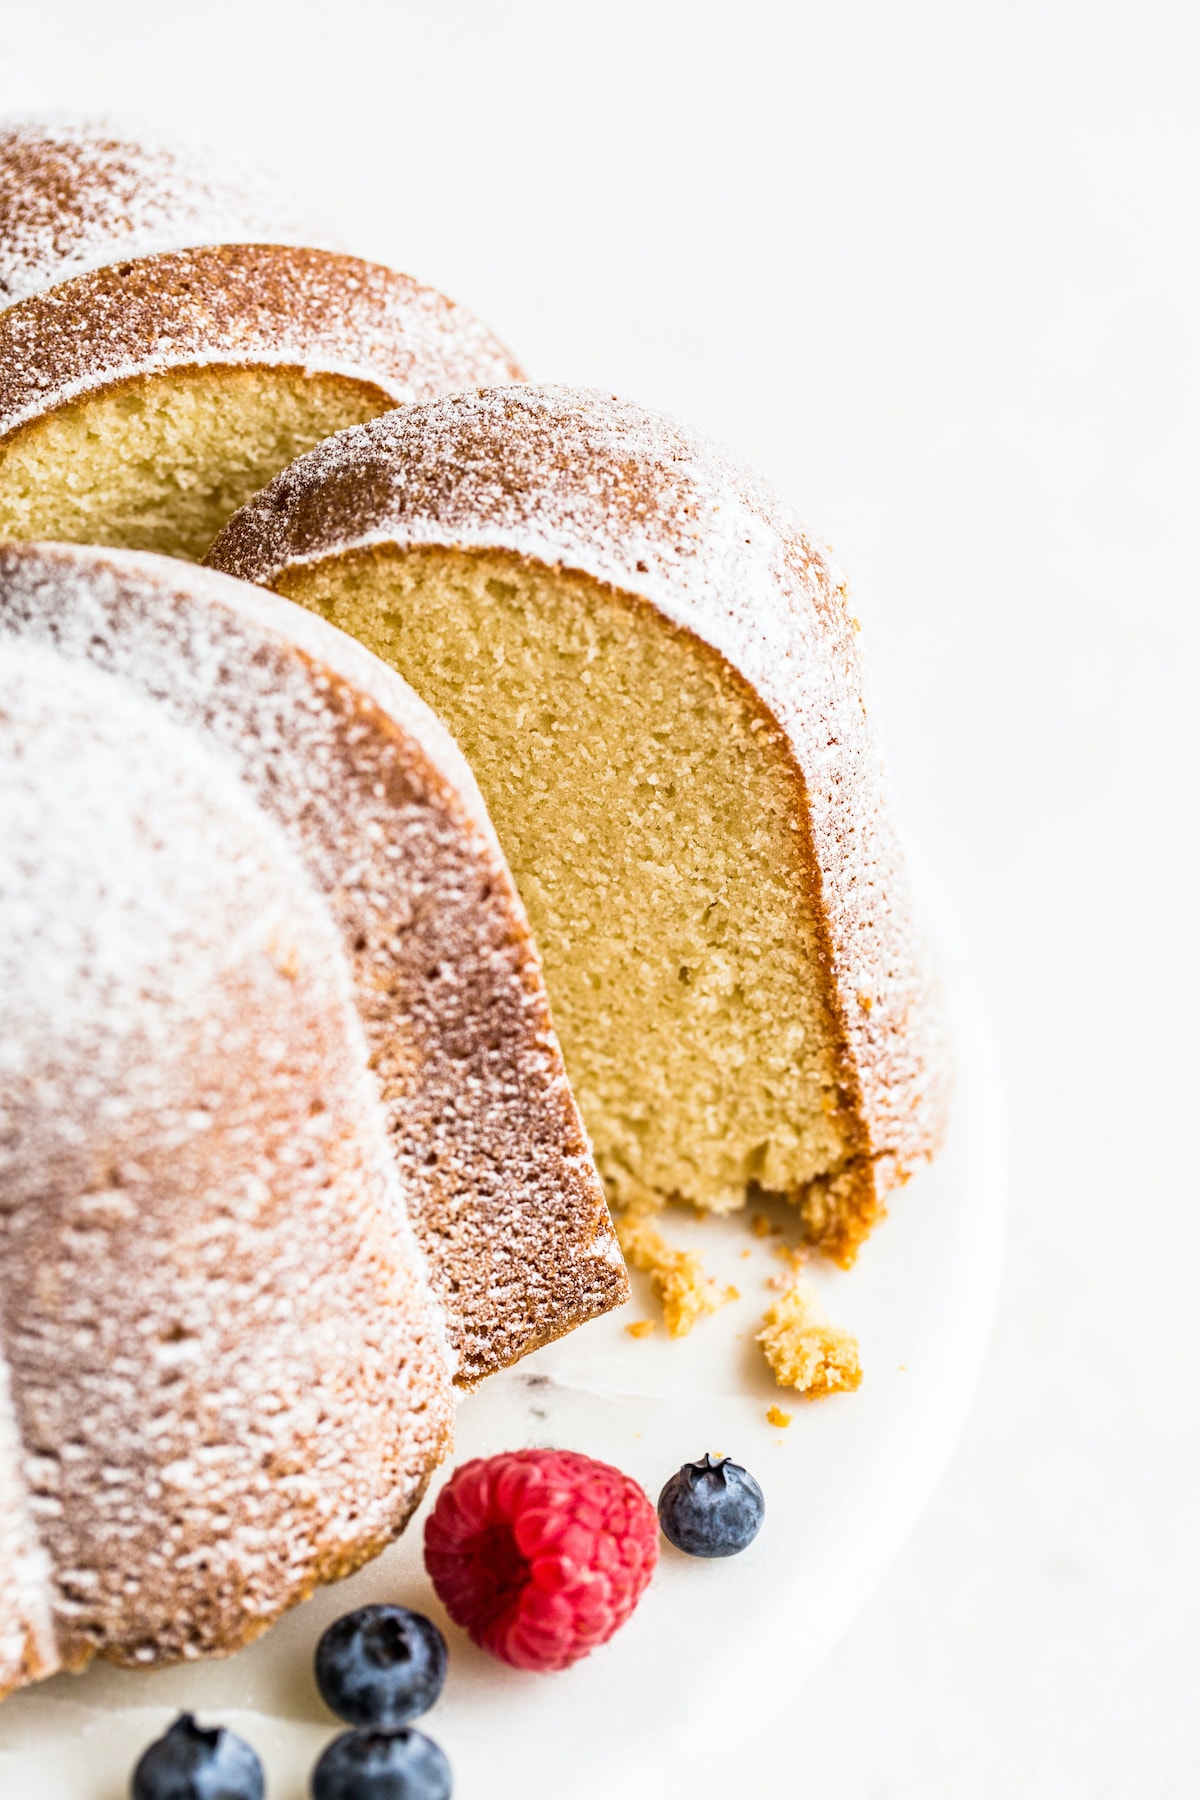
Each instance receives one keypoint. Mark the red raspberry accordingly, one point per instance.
(540, 1555)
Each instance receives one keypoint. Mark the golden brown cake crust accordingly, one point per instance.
(580, 480)
(501, 1187)
(237, 305)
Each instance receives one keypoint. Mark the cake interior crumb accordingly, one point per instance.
(161, 461)
(644, 796)
(685, 1291)
(805, 1351)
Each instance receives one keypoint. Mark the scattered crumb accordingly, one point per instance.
(640, 1328)
(760, 1225)
(678, 1276)
(795, 1254)
(902, 1368)
(745, 1252)
(731, 1293)
(806, 1352)
(777, 1416)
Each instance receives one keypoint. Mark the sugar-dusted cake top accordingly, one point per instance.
(265, 304)
(76, 193)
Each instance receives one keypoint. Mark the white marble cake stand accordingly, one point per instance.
(714, 1648)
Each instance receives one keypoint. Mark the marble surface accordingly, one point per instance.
(935, 269)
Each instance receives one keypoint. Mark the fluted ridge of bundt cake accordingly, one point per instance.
(650, 541)
(388, 822)
(223, 1375)
(77, 192)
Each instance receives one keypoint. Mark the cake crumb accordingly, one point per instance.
(777, 1416)
(686, 1293)
(640, 1328)
(732, 1293)
(795, 1254)
(760, 1225)
(805, 1351)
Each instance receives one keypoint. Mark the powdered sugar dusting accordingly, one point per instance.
(240, 304)
(76, 193)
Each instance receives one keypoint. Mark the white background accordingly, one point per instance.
(935, 270)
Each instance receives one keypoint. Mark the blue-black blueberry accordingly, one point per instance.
(381, 1666)
(195, 1762)
(711, 1508)
(382, 1765)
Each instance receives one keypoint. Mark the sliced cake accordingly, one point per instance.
(654, 674)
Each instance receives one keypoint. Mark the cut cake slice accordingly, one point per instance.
(653, 672)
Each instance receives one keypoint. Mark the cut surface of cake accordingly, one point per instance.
(388, 823)
(77, 192)
(143, 402)
(653, 672)
(223, 1374)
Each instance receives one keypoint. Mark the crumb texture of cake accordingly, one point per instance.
(223, 1375)
(683, 1289)
(654, 674)
(77, 192)
(143, 402)
(384, 816)
(805, 1351)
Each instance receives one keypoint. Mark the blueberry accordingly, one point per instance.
(381, 1666)
(711, 1508)
(194, 1763)
(382, 1765)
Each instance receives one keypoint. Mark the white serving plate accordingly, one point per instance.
(714, 1648)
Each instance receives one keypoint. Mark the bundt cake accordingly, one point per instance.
(223, 1377)
(143, 402)
(384, 815)
(653, 673)
(79, 192)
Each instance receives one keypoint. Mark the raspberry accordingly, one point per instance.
(540, 1554)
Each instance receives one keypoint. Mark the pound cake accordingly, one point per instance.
(79, 192)
(143, 402)
(384, 815)
(223, 1375)
(653, 672)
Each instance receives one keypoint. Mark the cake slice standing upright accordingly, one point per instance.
(653, 672)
